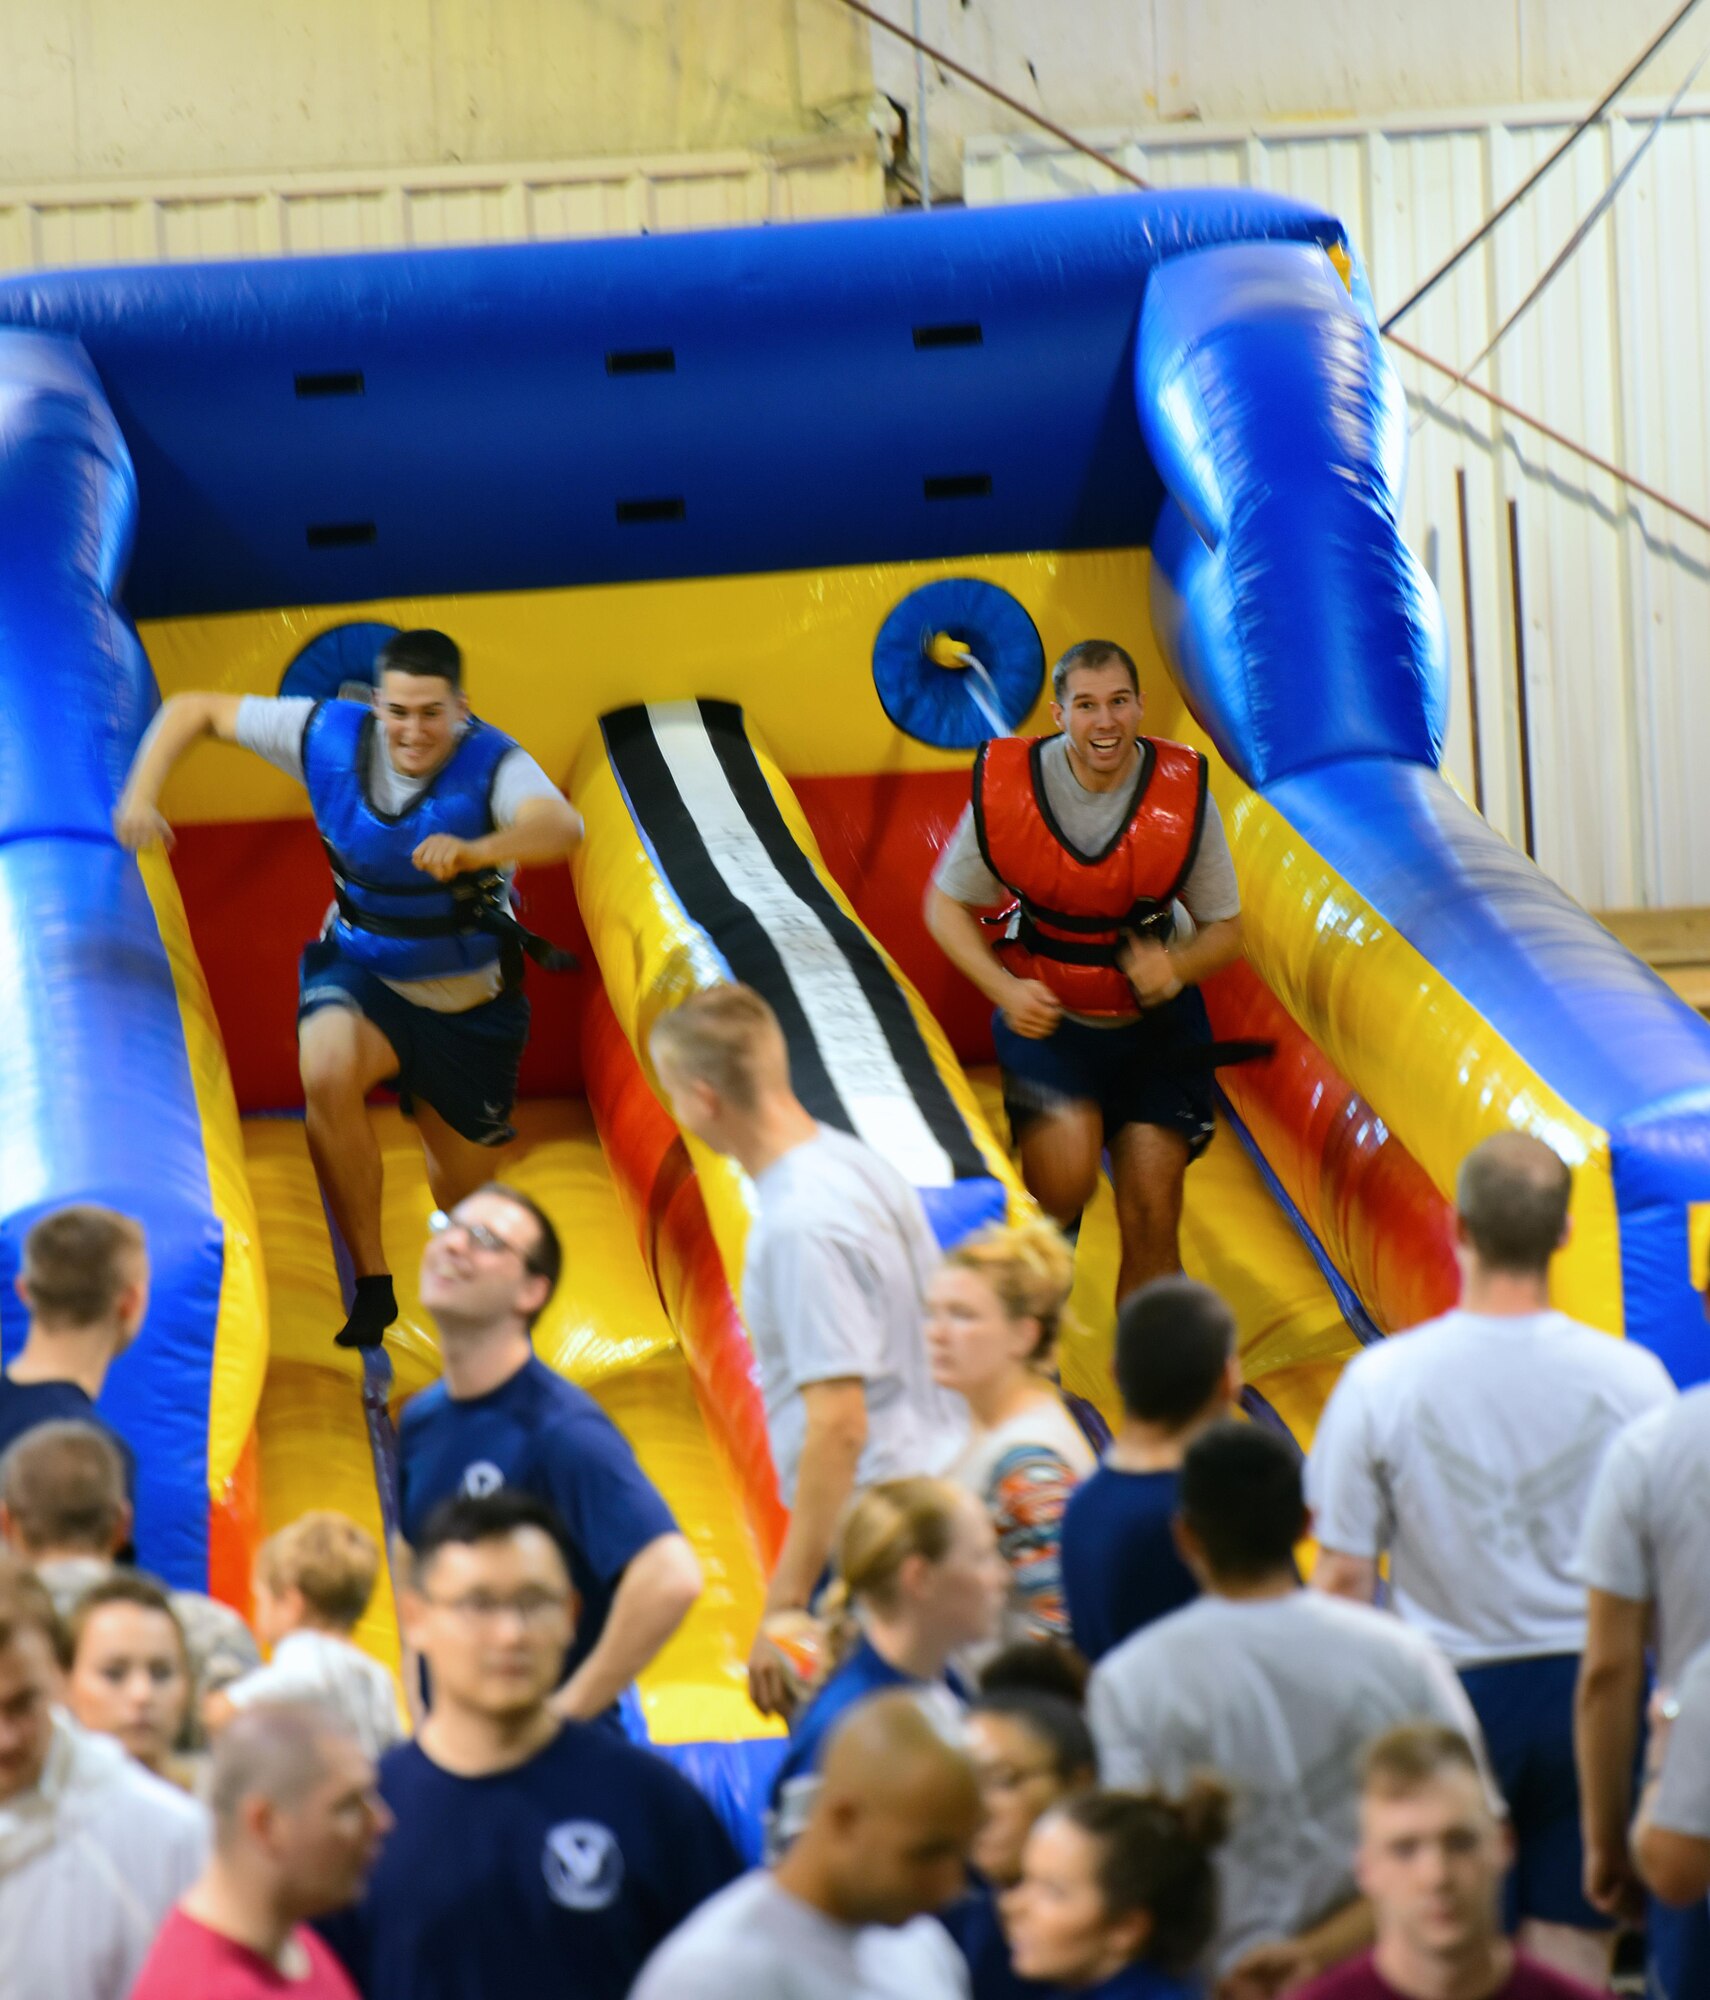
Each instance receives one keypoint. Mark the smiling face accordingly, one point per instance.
(971, 1341)
(130, 1679)
(422, 716)
(467, 1282)
(1100, 715)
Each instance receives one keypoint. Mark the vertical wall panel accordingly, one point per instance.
(1616, 590)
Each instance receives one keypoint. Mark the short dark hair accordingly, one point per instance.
(1155, 1855)
(468, 1519)
(1057, 1725)
(1174, 1338)
(426, 653)
(1241, 1495)
(1091, 653)
(1036, 1666)
(77, 1261)
(124, 1586)
(64, 1486)
(1512, 1197)
(546, 1258)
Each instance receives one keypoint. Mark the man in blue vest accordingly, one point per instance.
(415, 979)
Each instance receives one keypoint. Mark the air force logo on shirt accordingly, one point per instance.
(482, 1478)
(583, 1865)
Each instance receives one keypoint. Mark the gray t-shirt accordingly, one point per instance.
(272, 726)
(833, 1286)
(1682, 1802)
(1090, 821)
(1277, 1696)
(755, 1941)
(1465, 1450)
(1648, 1524)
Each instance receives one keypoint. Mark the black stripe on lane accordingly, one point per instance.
(669, 826)
(920, 1074)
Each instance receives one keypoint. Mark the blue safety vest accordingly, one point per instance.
(392, 918)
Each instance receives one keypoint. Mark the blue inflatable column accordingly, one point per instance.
(96, 1101)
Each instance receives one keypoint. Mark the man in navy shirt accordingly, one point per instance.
(1177, 1371)
(530, 1856)
(501, 1417)
(84, 1283)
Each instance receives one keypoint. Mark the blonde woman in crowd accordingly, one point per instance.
(992, 1313)
(920, 1575)
(129, 1671)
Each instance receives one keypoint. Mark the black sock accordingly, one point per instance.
(372, 1310)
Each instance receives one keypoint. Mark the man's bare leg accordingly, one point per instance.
(1060, 1157)
(456, 1166)
(1148, 1164)
(341, 1056)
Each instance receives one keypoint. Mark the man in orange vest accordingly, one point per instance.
(1112, 860)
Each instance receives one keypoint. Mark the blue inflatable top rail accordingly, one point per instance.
(326, 430)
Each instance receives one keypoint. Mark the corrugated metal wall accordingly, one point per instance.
(1615, 590)
(302, 214)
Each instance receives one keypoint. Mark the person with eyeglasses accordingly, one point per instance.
(499, 1416)
(530, 1855)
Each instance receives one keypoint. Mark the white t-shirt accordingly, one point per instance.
(1646, 1529)
(336, 1675)
(1466, 1449)
(755, 1941)
(833, 1286)
(1682, 1802)
(91, 1861)
(272, 726)
(1277, 1696)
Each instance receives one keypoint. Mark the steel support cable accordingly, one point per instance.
(1568, 444)
(1592, 117)
(1565, 255)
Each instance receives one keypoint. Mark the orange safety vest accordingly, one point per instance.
(1070, 913)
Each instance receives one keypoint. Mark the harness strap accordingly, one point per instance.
(478, 909)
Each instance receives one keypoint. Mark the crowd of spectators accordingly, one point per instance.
(1061, 1720)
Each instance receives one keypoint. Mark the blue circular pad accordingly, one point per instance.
(333, 658)
(931, 703)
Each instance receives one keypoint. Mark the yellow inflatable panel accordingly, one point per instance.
(794, 647)
(605, 1329)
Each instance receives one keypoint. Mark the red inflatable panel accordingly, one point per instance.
(1364, 1196)
(650, 1166)
(881, 836)
(256, 890)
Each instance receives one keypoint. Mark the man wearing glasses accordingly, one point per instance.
(530, 1855)
(500, 1417)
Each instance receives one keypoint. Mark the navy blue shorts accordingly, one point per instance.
(1677, 1951)
(1525, 1708)
(1127, 1072)
(464, 1065)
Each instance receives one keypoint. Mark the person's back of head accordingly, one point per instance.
(723, 1043)
(319, 1572)
(896, 1811)
(85, 1268)
(1046, 1667)
(62, 1493)
(1511, 1204)
(1175, 1346)
(297, 1818)
(1432, 1852)
(1112, 1879)
(32, 1651)
(1241, 1505)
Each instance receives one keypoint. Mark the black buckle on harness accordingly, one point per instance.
(1155, 921)
(478, 908)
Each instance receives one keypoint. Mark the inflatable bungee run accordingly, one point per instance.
(754, 537)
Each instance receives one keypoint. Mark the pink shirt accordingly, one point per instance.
(191, 1962)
